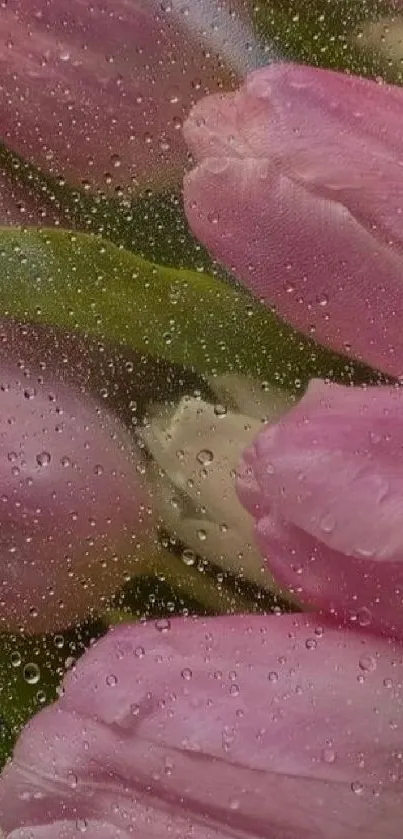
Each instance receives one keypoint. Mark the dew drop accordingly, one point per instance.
(328, 755)
(328, 523)
(163, 624)
(188, 556)
(43, 459)
(186, 674)
(15, 659)
(234, 804)
(32, 673)
(357, 787)
(205, 457)
(368, 663)
(364, 617)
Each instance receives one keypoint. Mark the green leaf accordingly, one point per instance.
(325, 34)
(80, 282)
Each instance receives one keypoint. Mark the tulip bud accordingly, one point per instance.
(298, 190)
(72, 505)
(325, 487)
(195, 450)
(96, 93)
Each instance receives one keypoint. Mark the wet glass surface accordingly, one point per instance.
(201, 467)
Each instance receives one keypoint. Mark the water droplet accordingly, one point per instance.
(328, 755)
(163, 624)
(15, 659)
(220, 410)
(328, 523)
(311, 643)
(111, 680)
(32, 673)
(234, 804)
(43, 459)
(364, 617)
(368, 663)
(357, 787)
(188, 556)
(186, 674)
(72, 779)
(205, 457)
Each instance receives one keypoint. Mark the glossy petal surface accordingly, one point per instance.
(96, 93)
(325, 486)
(298, 189)
(72, 502)
(254, 726)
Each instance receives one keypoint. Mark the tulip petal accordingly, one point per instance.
(298, 189)
(97, 93)
(325, 486)
(260, 726)
(72, 504)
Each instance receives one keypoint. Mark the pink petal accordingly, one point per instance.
(96, 93)
(325, 486)
(298, 189)
(260, 726)
(92, 829)
(72, 504)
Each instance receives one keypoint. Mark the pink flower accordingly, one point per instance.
(325, 485)
(72, 506)
(298, 189)
(96, 93)
(244, 726)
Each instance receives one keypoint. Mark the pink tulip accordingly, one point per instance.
(72, 508)
(298, 189)
(244, 726)
(96, 93)
(325, 485)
